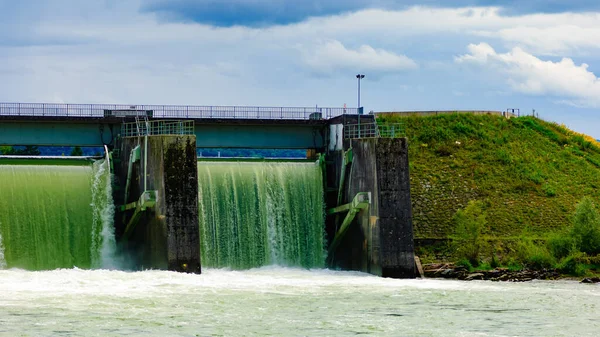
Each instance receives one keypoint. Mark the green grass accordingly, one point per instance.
(528, 175)
(526, 172)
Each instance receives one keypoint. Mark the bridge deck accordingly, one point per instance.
(170, 111)
(47, 124)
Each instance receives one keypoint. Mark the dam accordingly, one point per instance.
(150, 202)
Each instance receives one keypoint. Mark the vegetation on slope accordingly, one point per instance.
(526, 175)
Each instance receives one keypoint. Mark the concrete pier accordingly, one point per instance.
(166, 234)
(380, 239)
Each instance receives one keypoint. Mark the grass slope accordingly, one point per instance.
(529, 174)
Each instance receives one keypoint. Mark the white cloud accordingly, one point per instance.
(332, 56)
(552, 40)
(528, 74)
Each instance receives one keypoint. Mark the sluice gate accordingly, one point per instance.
(348, 207)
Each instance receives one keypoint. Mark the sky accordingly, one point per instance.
(416, 55)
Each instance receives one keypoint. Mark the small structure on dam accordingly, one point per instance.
(362, 220)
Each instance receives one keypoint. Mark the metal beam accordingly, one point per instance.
(147, 200)
(265, 134)
(361, 201)
(260, 136)
(55, 133)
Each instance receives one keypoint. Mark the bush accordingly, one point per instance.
(464, 263)
(533, 255)
(560, 245)
(467, 239)
(571, 265)
(540, 259)
(586, 227)
(494, 263)
(77, 151)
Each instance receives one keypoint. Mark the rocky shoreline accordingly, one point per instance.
(451, 271)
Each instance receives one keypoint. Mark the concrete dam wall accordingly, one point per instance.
(348, 207)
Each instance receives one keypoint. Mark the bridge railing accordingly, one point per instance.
(171, 111)
(157, 127)
(373, 130)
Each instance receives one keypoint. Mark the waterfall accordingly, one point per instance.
(255, 214)
(2, 260)
(56, 216)
(103, 248)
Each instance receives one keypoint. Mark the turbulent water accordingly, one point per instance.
(55, 216)
(256, 214)
(273, 301)
(2, 259)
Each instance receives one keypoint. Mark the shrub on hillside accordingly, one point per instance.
(467, 238)
(586, 227)
(533, 255)
(560, 245)
(571, 265)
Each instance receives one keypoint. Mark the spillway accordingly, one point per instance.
(56, 216)
(253, 214)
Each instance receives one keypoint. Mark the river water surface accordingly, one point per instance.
(274, 301)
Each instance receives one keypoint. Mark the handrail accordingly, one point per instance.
(171, 111)
(374, 130)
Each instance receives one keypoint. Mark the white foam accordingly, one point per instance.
(103, 248)
(2, 259)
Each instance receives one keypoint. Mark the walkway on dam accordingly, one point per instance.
(77, 111)
(54, 124)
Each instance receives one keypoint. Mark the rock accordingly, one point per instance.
(502, 277)
(474, 276)
(591, 280)
(448, 273)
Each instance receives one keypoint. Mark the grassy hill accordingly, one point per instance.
(528, 174)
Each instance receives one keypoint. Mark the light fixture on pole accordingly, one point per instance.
(359, 77)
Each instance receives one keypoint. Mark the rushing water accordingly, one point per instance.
(287, 302)
(256, 214)
(54, 216)
(2, 259)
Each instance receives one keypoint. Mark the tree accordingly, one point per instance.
(467, 239)
(77, 151)
(29, 150)
(6, 150)
(586, 227)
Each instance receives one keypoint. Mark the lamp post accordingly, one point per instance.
(359, 77)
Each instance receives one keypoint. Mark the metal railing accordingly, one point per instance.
(373, 130)
(170, 111)
(157, 127)
(441, 112)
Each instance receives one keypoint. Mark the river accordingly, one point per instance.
(276, 301)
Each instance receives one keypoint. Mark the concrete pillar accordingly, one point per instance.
(380, 241)
(167, 235)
